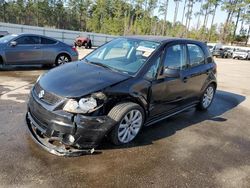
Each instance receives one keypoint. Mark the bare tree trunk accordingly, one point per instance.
(248, 35)
(199, 16)
(237, 21)
(4, 11)
(205, 19)
(187, 18)
(183, 13)
(165, 16)
(212, 22)
(190, 13)
(225, 26)
(176, 11)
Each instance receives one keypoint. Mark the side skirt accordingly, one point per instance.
(155, 120)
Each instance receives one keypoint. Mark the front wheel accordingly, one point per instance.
(207, 98)
(130, 118)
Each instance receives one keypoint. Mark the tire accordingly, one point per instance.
(90, 44)
(126, 131)
(1, 60)
(62, 59)
(1, 63)
(47, 65)
(207, 98)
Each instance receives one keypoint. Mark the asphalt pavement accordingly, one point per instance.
(192, 149)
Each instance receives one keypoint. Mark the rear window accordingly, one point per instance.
(47, 41)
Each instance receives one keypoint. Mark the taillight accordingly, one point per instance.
(74, 49)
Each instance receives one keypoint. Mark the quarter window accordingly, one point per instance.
(196, 55)
(28, 40)
(152, 72)
(175, 57)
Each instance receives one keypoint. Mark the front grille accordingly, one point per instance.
(48, 98)
(47, 119)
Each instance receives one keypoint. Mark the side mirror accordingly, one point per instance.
(13, 43)
(171, 73)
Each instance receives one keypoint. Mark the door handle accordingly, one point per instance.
(37, 47)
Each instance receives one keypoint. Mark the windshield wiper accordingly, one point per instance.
(106, 66)
(101, 65)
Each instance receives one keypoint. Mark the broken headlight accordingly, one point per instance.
(85, 105)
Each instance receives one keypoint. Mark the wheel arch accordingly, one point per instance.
(207, 83)
(126, 98)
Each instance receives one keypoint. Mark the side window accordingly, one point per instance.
(47, 41)
(196, 55)
(28, 40)
(152, 72)
(175, 57)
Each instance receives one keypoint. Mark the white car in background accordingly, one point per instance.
(241, 54)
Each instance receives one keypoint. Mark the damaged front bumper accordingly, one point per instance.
(65, 134)
(37, 134)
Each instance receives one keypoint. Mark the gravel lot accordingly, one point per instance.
(192, 149)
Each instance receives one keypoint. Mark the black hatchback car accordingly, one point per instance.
(117, 89)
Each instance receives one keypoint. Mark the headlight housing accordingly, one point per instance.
(85, 105)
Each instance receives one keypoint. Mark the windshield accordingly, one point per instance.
(7, 38)
(123, 54)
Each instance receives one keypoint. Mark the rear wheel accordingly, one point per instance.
(207, 97)
(130, 118)
(90, 44)
(62, 59)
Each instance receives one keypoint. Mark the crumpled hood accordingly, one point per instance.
(78, 79)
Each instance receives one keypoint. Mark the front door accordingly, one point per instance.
(170, 93)
(26, 51)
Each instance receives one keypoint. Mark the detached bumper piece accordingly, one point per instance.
(53, 144)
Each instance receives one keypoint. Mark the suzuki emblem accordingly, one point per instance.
(41, 94)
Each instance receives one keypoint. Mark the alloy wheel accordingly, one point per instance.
(62, 60)
(208, 97)
(130, 126)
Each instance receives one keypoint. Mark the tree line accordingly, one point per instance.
(142, 17)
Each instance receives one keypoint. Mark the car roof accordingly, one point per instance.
(38, 35)
(162, 39)
(4, 32)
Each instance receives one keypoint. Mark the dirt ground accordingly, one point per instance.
(192, 149)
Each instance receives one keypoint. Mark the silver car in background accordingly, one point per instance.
(241, 54)
(22, 49)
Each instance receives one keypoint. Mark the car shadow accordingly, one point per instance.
(25, 67)
(223, 102)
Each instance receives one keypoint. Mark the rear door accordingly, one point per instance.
(26, 51)
(198, 70)
(49, 49)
